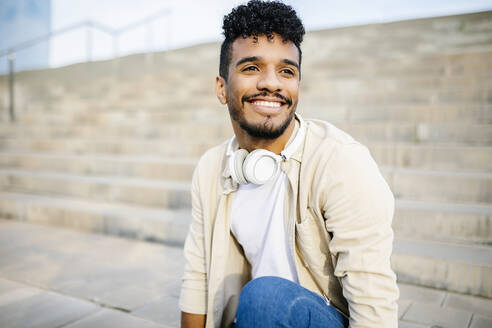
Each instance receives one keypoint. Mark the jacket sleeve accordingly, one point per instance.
(358, 210)
(193, 298)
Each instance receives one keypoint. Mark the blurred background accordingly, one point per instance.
(118, 28)
(106, 106)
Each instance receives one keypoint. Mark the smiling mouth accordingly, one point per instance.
(276, 100)
(270, 104)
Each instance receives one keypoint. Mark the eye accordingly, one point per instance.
(249, 68)
(287, 71)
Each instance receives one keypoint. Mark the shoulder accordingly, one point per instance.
(341, 168)
(327, 144)
(326, 132)
(331, 156)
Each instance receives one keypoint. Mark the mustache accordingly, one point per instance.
(265, 94)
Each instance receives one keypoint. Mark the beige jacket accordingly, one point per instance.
(338, 222)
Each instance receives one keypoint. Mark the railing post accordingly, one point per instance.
(115, 65)
(169, 31)
(88, 40)
(11, 86)
(115, 45)
(149, 54)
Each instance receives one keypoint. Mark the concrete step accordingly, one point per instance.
(113, 117)
(370, 95)
(112, 101)
(448, 52)
(433, 157)
(479, 134)
(97, 114)
(398, 154)
(309, 108)
(461, 268)
(453, 267)
(416, 75)
(320, 60)
(457, 133)
(141, 166)
(446, 81)
(391, 72)
(397, 65)
(145, 192)
(451, 34)
(103, 281)
(448, 221)
(470, 84)
(428, 307)
(92, 281)
(462, 222)
(449, 76)
(84, 111)
(179, 130)
(440, 186)
(451, 113)
(171, 87)
(314, 107)
(125, 146)
(445, 222)
(132, 221)
(384, 96)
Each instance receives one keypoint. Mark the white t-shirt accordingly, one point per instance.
(257, 222)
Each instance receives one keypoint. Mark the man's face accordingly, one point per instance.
(262, 88)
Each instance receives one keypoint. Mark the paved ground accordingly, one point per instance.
(51, 277)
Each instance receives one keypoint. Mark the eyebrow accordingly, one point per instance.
(257, 58)
(247, 59)
(291, 62)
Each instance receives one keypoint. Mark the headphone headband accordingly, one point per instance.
(261, 165)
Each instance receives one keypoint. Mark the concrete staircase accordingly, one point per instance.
(110, 146)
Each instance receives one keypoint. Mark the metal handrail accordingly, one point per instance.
(42, 38)
(115, 33)
(87, 23)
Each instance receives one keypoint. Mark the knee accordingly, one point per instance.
(260, 289)
(258, 301)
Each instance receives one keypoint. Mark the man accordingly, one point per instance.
(291, 218)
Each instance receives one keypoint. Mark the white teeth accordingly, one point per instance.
(273, 104)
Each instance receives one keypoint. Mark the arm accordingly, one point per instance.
(193, 298)
(358, 212)
(190, 320)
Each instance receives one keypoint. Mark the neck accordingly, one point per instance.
(250, 143)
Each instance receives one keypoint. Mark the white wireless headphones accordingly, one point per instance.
(260, 165)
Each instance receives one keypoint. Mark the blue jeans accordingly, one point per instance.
(276, 302)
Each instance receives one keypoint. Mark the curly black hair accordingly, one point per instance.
(259, 18)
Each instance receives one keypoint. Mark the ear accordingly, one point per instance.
(220, 88)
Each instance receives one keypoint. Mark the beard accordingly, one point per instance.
(263, 130)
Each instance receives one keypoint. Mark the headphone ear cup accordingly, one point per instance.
(236, 166)
(260, 166)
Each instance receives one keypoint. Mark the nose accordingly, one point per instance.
(269, 81)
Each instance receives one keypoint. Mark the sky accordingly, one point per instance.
(192, 22)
